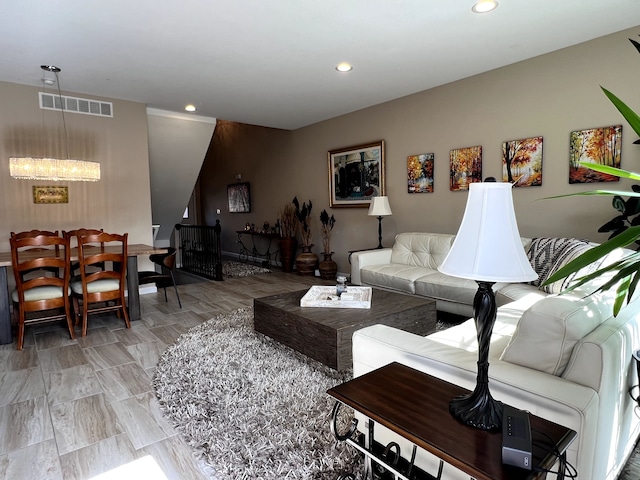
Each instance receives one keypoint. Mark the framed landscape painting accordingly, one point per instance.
(420, 173)
(465, 167)
(356, 175)
(601, 146)
(522, 162)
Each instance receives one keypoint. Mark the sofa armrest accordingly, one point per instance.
(368, 257)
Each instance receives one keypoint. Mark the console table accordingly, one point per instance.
(252, 251)
(416, 406)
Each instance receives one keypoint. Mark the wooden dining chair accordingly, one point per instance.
(97, 291)
(165, 278)
(73, 236)
(41, 291)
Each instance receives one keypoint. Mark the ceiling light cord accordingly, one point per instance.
(64, 121)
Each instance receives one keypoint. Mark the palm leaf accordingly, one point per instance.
(596, 192)
(617, 172)
(628, 114)
(621, 294)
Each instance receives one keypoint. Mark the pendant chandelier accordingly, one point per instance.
(32, 168)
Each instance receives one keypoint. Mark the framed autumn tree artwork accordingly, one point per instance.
(465, 167)
(601, 146)
(420, 173)
(522, 162)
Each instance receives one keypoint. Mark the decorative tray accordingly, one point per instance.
(325, 297)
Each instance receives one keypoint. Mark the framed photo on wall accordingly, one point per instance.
(239, 197)
(356, 175)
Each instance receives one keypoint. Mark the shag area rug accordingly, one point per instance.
(253, 408)
(236, 269)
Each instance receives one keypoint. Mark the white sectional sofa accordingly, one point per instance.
(565, 358)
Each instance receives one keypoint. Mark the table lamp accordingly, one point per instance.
(379, 207)
(487, 249)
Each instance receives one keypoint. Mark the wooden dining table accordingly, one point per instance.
(133, 252)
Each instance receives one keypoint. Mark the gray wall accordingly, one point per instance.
(550, 95)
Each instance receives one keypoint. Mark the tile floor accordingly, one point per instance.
(85, 408)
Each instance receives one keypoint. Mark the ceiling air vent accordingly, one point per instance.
(86, 106)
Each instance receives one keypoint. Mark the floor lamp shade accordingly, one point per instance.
(486, 249)
(379, 207)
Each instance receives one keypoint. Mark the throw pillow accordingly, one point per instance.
(568, 254)
(550, 328)
(544, 252)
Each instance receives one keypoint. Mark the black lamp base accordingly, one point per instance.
(379, 232)
(478, 409)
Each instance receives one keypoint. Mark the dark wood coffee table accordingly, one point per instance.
(416, 406)
(324, 334)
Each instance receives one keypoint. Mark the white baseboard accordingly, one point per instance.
(146, 289)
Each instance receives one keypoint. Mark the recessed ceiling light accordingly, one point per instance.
(190, 108)
(344, 67)
(484, 6)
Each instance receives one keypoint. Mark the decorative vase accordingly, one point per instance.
(288, 247)
(307, 261)
(328, 268)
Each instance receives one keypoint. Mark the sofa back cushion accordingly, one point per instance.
(550, 328)
(421, 249)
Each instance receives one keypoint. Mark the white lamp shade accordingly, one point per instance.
(488, 245)
(379, 207)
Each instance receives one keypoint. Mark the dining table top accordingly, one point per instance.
(133, 250)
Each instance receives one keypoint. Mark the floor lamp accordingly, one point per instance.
(486, 249)
(379, 207)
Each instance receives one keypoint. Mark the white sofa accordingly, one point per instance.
(411, 266)
(562, 357)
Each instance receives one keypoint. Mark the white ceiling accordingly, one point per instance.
(271, 62)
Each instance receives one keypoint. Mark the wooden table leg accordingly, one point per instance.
(132, 288)
(5, 314)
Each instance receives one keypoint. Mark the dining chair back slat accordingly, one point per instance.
(34, 233)
(41, 292)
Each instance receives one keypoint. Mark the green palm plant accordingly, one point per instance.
(624, 273)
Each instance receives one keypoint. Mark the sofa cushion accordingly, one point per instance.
(550, 328)
(510, 292)
(393, 275)
(445, 287)
(421, 249)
